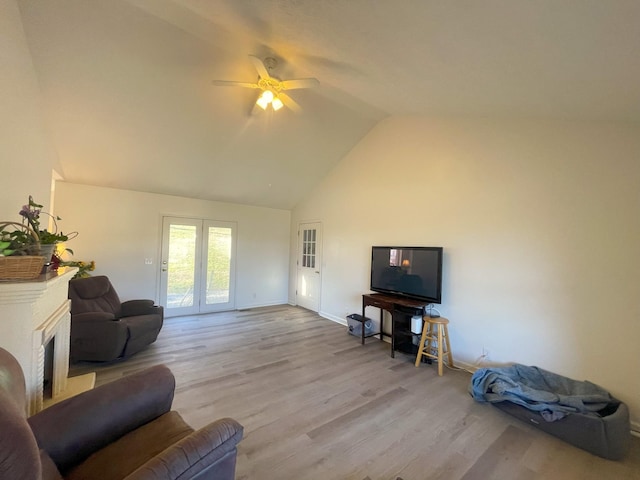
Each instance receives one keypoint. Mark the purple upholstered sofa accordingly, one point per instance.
(103, 328)
(121, 430)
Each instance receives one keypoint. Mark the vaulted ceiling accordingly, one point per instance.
(128, 100)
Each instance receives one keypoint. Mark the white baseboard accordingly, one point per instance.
(465, 366)
(258, 305)
(333, 318)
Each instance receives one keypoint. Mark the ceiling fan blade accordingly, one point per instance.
(299, 83)
(259, 65)
(290, 102)
(229, 83)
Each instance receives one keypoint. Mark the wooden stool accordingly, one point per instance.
(435, 335)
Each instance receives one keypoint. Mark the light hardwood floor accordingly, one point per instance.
(315, 404)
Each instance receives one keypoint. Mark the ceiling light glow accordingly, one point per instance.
(262, 102)
(267, 96)
(277, 104)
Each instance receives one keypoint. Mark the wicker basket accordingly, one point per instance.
(21, 267)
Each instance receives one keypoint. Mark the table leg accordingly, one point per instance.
(362, 330)
(393, 337)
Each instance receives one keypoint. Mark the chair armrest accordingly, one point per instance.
(73, 429)
(131, 308)
(93, 317)
(195, 454)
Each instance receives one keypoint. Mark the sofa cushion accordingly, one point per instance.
(93, 294)
(19, 454)
(125, 455)
(49, 469)
(96, 287)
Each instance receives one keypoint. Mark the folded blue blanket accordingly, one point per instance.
(550, 394)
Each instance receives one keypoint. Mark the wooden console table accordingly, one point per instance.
(398, 307)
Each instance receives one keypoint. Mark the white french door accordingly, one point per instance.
(309, 266)
(198, 266)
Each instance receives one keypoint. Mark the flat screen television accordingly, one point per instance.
(414, 272)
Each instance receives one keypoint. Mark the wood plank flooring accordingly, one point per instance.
(316, 404)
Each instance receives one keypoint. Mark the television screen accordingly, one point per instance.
(414, 272)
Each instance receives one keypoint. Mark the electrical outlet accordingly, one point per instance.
(484, 355)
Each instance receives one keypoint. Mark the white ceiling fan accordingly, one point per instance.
(273, 89)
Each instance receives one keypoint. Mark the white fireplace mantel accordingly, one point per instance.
(32, 313)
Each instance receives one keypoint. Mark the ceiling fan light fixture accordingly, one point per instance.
(271, 88)
(262, 102)
(277, 104)
(265, 98)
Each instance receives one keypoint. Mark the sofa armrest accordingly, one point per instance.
(211, 447)
(73, 429)
(132, 308)
(93, 317)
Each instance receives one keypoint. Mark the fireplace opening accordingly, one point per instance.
(47, 381)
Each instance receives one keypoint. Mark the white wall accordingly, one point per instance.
(120, 228)
(540, 222)
(26, 154)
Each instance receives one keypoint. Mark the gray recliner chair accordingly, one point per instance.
(121, 430)
(103, 328)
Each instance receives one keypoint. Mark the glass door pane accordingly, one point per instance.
(219, 253)
(180, 272)
(218, 265)
(181, 263)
